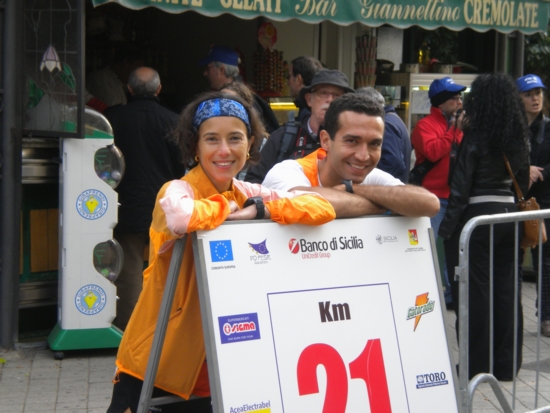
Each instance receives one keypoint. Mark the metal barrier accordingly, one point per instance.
(467, 389)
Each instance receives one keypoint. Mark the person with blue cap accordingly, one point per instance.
(531, 91)
(434, 138)
(221, 68)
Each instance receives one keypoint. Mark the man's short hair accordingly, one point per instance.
(144, 85)
(372, 94)
(230, 71)
(306, 66)
(352, 102)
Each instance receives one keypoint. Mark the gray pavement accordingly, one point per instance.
(31, 381)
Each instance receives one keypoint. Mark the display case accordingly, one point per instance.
(414, 103)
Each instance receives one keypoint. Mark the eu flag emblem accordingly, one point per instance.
(221, 251)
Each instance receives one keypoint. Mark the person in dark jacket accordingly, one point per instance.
(494, 125)
(396, 149)
(221, 67)
(141, 130)
(300, 74)
(530, 89)
(300, 139)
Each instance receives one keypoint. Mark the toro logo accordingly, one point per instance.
(293, 246)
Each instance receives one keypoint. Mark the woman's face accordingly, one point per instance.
(532, 100)
(222, 149)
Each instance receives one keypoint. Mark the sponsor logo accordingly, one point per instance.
(92, 204)
(431, 380)
(293, 246)
(413, 237)
(240, 327)
(261, 255)
(381, 239)
(262, 407)
(320, 249)
(422, 306)
(90, 299)
(221, 251)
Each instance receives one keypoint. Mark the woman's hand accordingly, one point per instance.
(535, 174)
(247, 213)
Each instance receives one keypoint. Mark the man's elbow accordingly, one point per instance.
(432, 205)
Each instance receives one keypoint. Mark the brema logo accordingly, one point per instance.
(221, 251)
(422, 306)
(92, 204)
(413, 237)
(294, 246)
(90, 299)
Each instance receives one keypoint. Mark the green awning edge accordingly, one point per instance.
(505, 16)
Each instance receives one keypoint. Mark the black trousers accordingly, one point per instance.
(479, 292)
(127, 390)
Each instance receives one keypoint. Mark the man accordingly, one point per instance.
(301, 139)
(434, 138)
(344, 169)
(222, 68)
(141, 130)
(108, 85)
(300, 74)
(396, 150)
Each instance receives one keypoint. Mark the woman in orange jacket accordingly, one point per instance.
(217, 135)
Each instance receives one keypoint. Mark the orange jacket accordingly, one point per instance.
(184, 206)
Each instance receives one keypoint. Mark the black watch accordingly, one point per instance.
(260, 207)
(349, 185)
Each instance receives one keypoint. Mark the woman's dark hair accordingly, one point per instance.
(495, 117)
(241, 90)
(187, 136)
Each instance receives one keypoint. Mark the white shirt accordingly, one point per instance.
(290, 174)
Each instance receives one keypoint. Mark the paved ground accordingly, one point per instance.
(31, 381)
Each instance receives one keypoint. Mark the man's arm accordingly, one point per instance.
(345, 205)
(406, 200)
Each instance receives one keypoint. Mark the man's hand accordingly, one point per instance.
(535, 174)
(406, 200)
(345, 205)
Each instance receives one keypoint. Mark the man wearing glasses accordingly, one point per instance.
(435, 138)
(301, 140)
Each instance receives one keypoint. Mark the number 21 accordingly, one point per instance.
(369, 367)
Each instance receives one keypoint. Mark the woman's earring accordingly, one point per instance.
(248, 156)
(197, 158)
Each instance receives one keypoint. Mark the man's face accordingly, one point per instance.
(319, 100)
(216, 76)
(356, 148)
(450, 106)
(295, 83)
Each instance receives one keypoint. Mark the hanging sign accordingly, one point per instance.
(324, 319)
(504, 16)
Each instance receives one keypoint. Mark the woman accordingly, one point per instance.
(530, 89)
(217, 135)
(494, 125)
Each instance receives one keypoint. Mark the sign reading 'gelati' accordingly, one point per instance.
(481, 15)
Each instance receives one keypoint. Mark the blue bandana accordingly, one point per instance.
(220, 107)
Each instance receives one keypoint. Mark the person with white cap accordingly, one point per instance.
(433, 139)
(531, 91)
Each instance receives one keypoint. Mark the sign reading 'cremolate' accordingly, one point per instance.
(481, 15)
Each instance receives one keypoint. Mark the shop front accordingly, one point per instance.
(74, 38)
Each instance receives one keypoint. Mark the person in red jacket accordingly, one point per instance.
(434, 138)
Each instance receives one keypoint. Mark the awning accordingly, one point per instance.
(481, 15)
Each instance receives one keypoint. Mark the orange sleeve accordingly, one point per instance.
(307, 209)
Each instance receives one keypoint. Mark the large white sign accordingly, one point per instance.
(342, 318)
